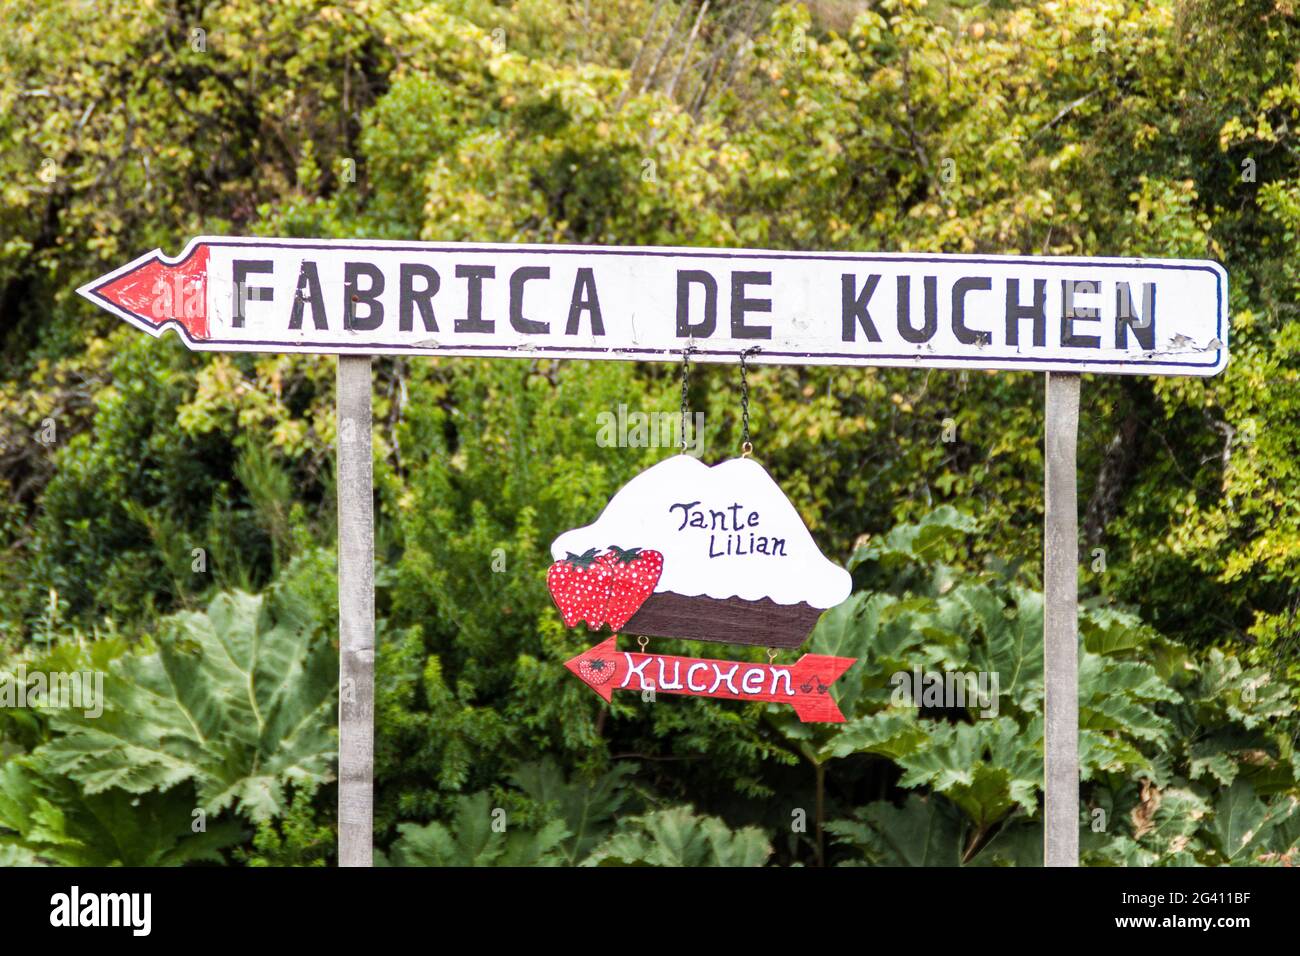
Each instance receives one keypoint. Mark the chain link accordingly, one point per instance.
(686, 377)
(746, 448)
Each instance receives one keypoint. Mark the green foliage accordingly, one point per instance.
(49, 819)
(488, 451)
(573, 822)
(586, 808)
(131, 497)
(299, 837)
(237, 700)
(1198, 735)
(230, 710)
(477, 836)
(1153, 718)
(1172, 829)
(927, 832)
(678, 837)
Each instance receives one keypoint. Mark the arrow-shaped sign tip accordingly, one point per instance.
(150, 292)
(596, 667)
(814, 674)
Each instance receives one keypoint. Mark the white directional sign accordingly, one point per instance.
(1128, 316)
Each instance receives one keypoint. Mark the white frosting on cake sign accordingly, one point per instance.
(724, 531)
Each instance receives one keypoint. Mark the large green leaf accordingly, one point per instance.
(52, 820)
(1252, 696)
(921, 542)
(678, 837)
(890, 733)
(1013, 640)
(586, 808)
(238, 700)
(864, 627)
(987, 768)
(923, 832)
(1241, 823)
(1101, 752)
(1120, 697)
(1019, 842)
(479, 834)
(846, 630)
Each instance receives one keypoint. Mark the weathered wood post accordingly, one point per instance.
(1061, 623)
(356, 573)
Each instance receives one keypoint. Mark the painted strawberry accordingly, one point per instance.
(633, 576)
(580, 586)
(595, 670)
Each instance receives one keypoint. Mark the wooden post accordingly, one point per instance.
(356, 573)
(1061, 623)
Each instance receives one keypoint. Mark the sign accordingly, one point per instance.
(1131, 316)
(708, 553)
(805, 685)
(358, 298)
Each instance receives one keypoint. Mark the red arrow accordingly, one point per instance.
(805, 685)
(151, 291)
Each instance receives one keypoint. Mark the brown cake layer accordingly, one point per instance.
(728, 621)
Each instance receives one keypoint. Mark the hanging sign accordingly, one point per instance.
(708, 553)
(805, 685)
(1133, 316)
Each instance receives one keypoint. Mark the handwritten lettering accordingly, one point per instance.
(719, 678)
(636, 669)
(727, 527)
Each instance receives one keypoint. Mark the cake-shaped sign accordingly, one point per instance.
(688, 550)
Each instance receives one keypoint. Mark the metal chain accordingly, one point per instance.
(746, 448)
(686, 376)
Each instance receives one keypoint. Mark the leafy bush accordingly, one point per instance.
(209, 721)
(1155, 719)
(237, 700)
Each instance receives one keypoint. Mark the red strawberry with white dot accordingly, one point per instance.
(595, 670)
(580, 586)
(633, 576)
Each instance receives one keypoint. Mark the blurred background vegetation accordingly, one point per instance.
(1083, 127)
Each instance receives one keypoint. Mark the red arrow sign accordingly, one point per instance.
(805, 685)
(152, 291)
